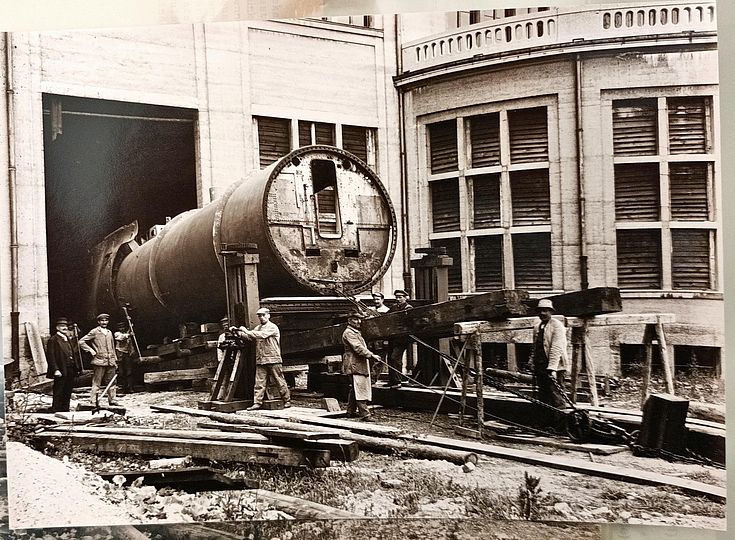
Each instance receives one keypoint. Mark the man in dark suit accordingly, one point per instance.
(62, 367)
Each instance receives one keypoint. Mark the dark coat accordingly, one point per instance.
(59, 355)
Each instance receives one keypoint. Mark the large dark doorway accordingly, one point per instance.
(107, 164)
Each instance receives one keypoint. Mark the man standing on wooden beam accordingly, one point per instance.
(104, 358)
(355, 363)
(549, 356)
(268, 361)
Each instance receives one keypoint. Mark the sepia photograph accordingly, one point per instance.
(296, 271)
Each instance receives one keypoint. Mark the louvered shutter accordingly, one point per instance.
(326, 201)
(274, 139)
(485, 140)
(635, 130)
(529, 139)
(354, 139)
(445, 205)
(532, 260)
(304, 133)
(488, 262)
(637, 195)
(443, 146)
(325, 134)
(455, 271)
(687, 125)
(688, 186)
(486, 201)
(639, 259)
(690, 259)
(530, 197)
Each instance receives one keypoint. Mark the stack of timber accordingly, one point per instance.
(188, 361)
(294, 449)
(370, 437)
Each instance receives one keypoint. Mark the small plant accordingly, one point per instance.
(529, 497)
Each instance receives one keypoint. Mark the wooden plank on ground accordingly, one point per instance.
(598, 449)
(301, 508)
(213, 450)
(271, 431)
(173, 433)
(434, 320)
(352, 425)
(155, 377)
(36, 346)
(602, 470)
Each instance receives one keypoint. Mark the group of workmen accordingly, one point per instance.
(108, 348)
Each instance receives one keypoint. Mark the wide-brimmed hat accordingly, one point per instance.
(400, 291)
(103, 316)
(545, 304)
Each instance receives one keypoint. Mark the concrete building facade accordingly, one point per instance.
(547, 149)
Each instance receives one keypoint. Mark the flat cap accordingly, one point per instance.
(400, 292)
(356, 315)
(61, 320)
(262, 311)
(103, 316)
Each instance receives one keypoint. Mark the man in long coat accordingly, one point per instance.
(62, 366)
(355, 362)
(549, 354)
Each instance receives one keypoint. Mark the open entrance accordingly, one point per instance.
(107, 164)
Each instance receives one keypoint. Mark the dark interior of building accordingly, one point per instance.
(107, 164)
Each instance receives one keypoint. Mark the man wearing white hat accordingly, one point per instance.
(549, 354)
(268, 360)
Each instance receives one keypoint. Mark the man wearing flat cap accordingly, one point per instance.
(268, 362)
(397, 346)
(356, 364)
(100, 343)
(549, 354)
(62, 366)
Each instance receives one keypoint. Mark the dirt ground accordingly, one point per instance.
(410, 498)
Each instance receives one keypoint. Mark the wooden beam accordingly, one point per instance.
(301, 508)
(177, 375)
(586, 303)
(168, 433)
(213, 450)
(602, 470)
(434, 320)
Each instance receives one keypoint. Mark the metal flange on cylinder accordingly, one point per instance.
(323, 222)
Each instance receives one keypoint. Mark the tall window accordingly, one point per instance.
(491, 199)
(664, 203)
(275, 138)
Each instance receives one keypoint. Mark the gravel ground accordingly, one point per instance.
(412, 498)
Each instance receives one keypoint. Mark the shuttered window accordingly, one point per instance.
(445, 205)
(274, 139)
(690, 259)
(688, 125)
(485, 140)
(635, 131)
(455, 271)
(486, 201)
(532, 260)
(443, 146)
(529, 139)
(639, 259)
(688, 183)
(324, 133)
(530, 197)
(355, 140)
(637, 196)
(488, 262)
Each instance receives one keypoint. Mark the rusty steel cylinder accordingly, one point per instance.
(322, 221)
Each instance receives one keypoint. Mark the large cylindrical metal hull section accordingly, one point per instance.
(322, 220)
